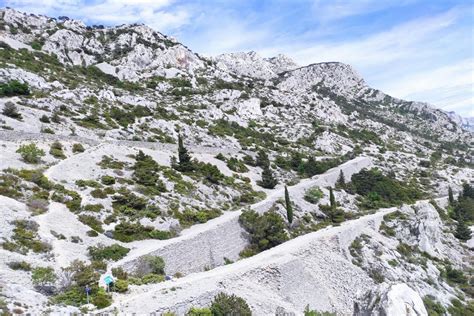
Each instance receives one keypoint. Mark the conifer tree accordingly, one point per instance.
(450, 196)
(184, 159)
(289, 207)
(268, 180)
(262, 159)
(332, 199)
(463, 232)
(341, 181)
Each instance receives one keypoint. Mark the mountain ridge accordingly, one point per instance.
(126, 154)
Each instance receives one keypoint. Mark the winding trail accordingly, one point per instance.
(205, 246)
(7, 135)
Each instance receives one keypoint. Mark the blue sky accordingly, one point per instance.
(412, 49)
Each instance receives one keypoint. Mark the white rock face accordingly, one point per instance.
(252, 65)
(394, 300)
(341, 78)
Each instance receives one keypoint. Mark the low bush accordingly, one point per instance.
(379, 190)
(56, 150)
(224, 304)
(98, 194)
(127, 232)
(43, 276)
(107, 180)
(150, 265)
(30, 153)
(120, 286)
(194, 311)
(11, 110)
(87, 183)
(25, 237)
(19, 265)
(37, 206)
(313, 195)
(92, 222)
(13, 88)
(93, 208)
(113, 252)
(190, 217)
(77, 148)
(264, 231)
(236, 165)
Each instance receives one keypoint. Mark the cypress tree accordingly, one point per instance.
(341, 181)
(289, 207)
(450, 196)
(332, 199)
(268, 180)
(184, 159)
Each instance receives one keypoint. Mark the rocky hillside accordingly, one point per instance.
(125, 154)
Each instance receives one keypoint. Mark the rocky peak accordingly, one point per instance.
(339, 77)
(253, 65)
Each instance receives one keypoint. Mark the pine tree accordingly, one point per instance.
(184, 159)
(450, 196)
(268, 180)
(262, 159)
(463, 232)
(289, 207)
(332, 199)
(341, 181)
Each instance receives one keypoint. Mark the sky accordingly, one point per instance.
(420, 50)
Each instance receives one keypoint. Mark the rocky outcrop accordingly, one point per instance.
(391, 300)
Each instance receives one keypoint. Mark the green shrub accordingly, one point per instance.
(11, 110)
(190, 217)
(30, 153)
(45, 119)
(93, 208)
(457, 308)
(77, 148)
(92, 222)
(56, 150)
(98, 194)
(102, 299)
(224, 304)
(194, 311)
(107, 180)
(236, 165)
(120, 273)
(72, 199)
(87, 183)
(155, 264)
(313, 195)
(25, 238)
(454, 275)
(92, 233)
(310, 312)
(128, 232)
(265, 231)
(146, 173)
(43, 276)
(19, 265)
(433, 307)
(113, 252)
(121, 286)
(13, 88)
(380, 191)
(37, 206)
(108, 162)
